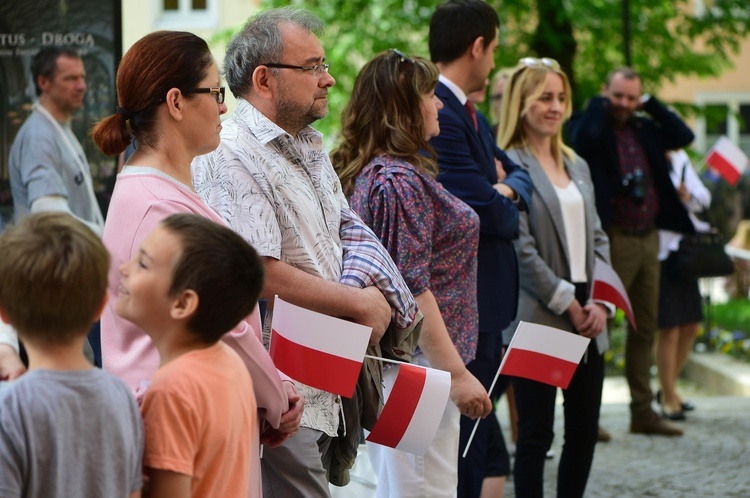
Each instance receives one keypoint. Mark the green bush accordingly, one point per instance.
(729, 333)
(614, 357)
(729, 329)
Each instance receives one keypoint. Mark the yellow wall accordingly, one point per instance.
(141, 17)
(731, 88)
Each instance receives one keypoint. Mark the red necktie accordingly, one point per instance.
(473, 113)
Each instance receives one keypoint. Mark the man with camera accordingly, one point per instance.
(624, 136)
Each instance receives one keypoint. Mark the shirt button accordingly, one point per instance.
(338, 400)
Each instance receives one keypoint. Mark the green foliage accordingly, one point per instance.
(734, 315)
(614, 357)
(585, 36)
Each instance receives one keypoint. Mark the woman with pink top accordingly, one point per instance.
(170, 101)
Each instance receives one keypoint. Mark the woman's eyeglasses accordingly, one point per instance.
(218, 92)
(402, 57)
(534, 63)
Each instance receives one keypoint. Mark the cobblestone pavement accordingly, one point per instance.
(712, 459)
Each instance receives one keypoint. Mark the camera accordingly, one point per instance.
(634, 185)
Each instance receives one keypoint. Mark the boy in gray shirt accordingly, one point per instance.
(66, 428)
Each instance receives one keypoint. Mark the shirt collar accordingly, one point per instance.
(460, 95)
(263, 128)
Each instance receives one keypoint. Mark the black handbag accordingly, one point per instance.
(701, 255)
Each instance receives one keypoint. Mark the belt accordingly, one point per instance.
(633, 231)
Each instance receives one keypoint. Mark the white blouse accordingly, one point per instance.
(574, 219)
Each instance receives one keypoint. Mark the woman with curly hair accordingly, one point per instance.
(388, 170)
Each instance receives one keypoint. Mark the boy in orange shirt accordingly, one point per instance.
(191, 282)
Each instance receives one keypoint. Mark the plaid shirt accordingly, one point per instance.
(366, 262)
(631, 156)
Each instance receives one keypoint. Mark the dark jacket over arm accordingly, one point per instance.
(591, 133)
(467, 170)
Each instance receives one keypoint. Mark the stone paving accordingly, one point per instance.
(712, 459)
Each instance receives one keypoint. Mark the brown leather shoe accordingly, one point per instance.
(653, 425)
(604, 436)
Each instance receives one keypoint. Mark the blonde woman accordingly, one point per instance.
(560, 237)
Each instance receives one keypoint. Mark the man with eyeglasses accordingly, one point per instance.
(273, 182)
(463, 38)
(626, 152)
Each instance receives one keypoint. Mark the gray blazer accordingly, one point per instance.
(543, 262)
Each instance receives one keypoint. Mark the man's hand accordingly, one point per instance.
(506, 191)
(11, 366)
(469, 395)
(501, 174)
(596, 319)
(375, 312)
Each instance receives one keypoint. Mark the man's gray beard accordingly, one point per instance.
(292, 116)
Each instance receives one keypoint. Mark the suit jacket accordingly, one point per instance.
(467, 170)
(546, 287)
(592, 136)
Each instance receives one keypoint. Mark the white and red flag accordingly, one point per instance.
(544, 354)
(413, 409)
(318, 350)
(727, 159)
(608, 287)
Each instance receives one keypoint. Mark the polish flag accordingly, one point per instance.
(544, 354)
(727, 159)
(318, 350)
(413, 409)
(608, 287)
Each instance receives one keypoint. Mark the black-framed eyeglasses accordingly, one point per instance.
(540, 63)
(402, 56)
(218, 92)
(496, 96)
(316, 70)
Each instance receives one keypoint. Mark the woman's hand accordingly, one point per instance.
(596, 319)
(469, 395)
(576, 314)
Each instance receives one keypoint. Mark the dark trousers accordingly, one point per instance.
(487, 454)
(536, 414)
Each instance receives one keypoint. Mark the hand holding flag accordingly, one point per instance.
(608, 287)
(540, 353)
(413, 409)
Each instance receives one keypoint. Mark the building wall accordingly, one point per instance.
(141, 17)
(730, 91)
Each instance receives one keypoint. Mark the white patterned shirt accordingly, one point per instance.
(282, 195)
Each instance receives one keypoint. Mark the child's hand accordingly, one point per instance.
(291, 418)
(289, 425)
(272, 437)
(11, 366)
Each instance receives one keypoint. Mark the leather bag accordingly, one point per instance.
(701, 255)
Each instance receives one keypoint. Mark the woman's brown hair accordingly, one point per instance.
(154, 65)
(384, 116)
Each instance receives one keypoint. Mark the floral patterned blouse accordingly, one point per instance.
(430, 234)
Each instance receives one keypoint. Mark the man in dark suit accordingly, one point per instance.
(626, 153)
(463, 39)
